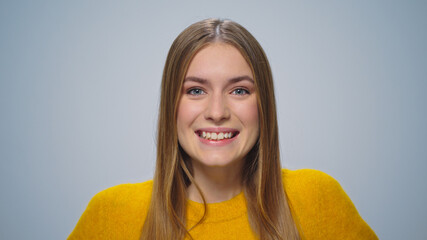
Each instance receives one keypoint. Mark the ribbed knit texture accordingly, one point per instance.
(320, 206)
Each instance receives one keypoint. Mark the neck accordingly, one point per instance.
(217, 184)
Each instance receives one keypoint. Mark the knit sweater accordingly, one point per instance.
(320, 206)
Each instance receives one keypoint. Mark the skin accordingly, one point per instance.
(218, 92)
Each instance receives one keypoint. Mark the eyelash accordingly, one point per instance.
(241, 89)
(192, 92)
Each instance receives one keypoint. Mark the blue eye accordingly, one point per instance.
(240, 91)
(195, 91)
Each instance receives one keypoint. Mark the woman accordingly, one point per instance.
(218, 173)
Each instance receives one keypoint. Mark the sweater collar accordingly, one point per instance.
(217, 212)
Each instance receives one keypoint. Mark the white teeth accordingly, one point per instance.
(220, 136)
(216, 136)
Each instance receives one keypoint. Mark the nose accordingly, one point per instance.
(217, 109)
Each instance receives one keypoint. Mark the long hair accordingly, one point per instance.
(268, 209)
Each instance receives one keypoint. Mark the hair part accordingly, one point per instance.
(268, 208)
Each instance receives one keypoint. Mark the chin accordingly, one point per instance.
(217, 161)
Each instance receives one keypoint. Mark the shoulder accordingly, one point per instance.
(124, 193)
(305, 175)
(115, 212)
(122, 200)
(322, 208)
(308, 181)
(308, 187)
(313, 190)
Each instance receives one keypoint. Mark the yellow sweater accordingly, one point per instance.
(320, 205)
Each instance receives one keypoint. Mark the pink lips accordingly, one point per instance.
(218, 143)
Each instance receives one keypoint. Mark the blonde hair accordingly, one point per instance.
(268, 209)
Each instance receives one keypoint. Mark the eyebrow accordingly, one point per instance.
(231, 80)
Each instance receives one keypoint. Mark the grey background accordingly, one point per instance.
(80, 85)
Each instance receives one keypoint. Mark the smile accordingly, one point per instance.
(216, 136)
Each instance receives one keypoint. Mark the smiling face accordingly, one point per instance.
(218, 114)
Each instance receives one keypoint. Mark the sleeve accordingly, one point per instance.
(325, 211)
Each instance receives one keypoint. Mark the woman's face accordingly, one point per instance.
(217, 113)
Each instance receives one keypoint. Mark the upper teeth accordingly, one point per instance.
(216, 136)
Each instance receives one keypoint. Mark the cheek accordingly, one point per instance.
(187, 114)
(248, 113)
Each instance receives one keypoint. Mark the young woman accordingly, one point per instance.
(218, 173)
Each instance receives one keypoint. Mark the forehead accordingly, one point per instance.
(219, 60)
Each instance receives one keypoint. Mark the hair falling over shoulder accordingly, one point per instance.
(268, 209)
